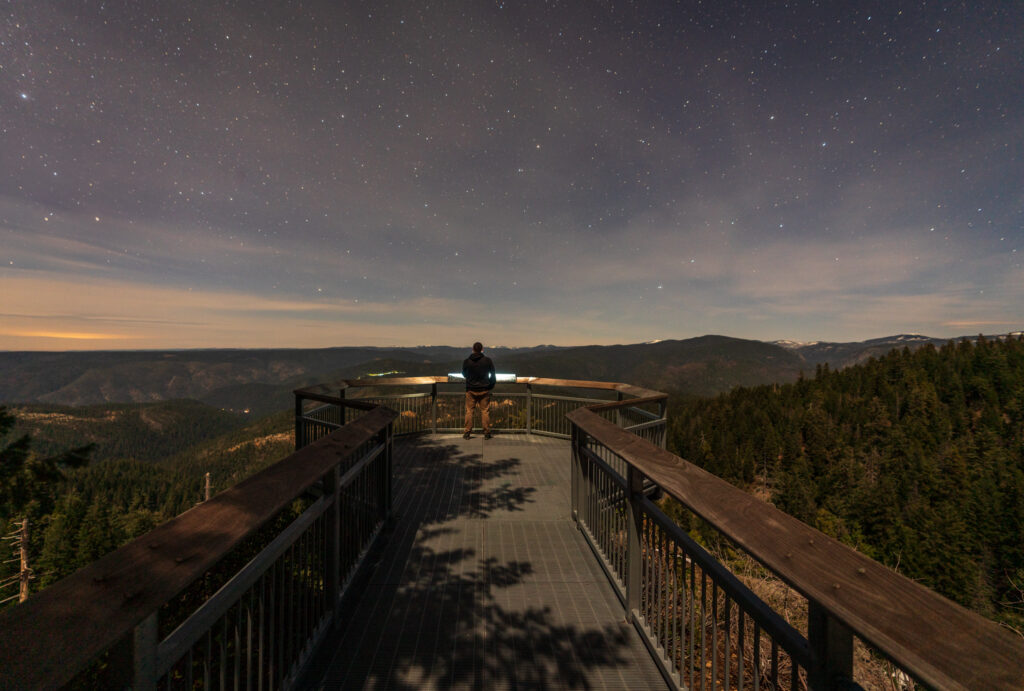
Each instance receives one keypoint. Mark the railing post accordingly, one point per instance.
(341, 395)
(388, 474)
(133, 659)
(299, 423)
(332, 580)
(663, 411)
(618, 411)
(634, 550)
(574, 479)
(433, 407)
(831, 645)
(529, 409)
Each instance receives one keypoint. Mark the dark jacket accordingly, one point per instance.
(478, 370)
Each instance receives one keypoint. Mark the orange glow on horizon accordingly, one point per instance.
(68, 335)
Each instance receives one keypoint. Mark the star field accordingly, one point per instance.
(338, 173)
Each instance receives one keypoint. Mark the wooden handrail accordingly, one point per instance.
(45, 641)
(627, 389)
(932, 638)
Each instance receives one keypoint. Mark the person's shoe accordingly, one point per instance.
(487, 435)
(466, 435)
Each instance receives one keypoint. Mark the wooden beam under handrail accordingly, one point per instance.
(627, 403)
(84, 614)
(938, 641)
(308, 395)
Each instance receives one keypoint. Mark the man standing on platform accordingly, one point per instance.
(478, 371)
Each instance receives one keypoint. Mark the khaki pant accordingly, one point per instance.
(482, 399)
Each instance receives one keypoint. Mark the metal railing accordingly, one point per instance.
(707, 630)
(261, 626)
(531, 406)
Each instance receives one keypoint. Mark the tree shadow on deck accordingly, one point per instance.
(471, 593)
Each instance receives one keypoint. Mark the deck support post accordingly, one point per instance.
(831, 645)
(634, 549)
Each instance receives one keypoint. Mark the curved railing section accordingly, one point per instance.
(706, 629)
(531, 405)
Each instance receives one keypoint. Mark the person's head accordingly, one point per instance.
(478, 347)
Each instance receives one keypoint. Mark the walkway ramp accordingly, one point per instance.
(485, 582)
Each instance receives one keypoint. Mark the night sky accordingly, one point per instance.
(211, 174)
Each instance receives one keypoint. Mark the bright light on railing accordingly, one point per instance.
(500, 376)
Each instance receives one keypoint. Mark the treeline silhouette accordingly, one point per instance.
(915, 459)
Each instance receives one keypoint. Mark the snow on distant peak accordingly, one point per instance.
(795, 344)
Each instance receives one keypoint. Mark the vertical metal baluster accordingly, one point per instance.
(272, 628)
(645, 572)
(714, 632)
(282, 596)
(261, 640)
(757, 656)
(728, 637)
(693, 621)
(208, 660)
(775, 664)
(794, 677)
(322, 570)
(307, 585)
(604, 512)
(620, 555)
(282, 619)
(674, 629)
(703, 626)
(652, 580)
(663, 589)
(295, 583)
(598, 488)
(224, 653)
(249, 640)
(652, 583)
(300, 598)
(741, 648)
(238, 645)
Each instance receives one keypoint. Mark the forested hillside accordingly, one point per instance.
(914, 458)
(148, 465)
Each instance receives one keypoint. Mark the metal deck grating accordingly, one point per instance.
(485, 583)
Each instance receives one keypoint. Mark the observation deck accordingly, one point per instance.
(485, 581)
(388, 552)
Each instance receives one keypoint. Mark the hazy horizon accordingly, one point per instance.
(490, 346)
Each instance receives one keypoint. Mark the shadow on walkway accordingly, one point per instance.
(473, 591)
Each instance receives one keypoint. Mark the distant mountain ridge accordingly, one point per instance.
(840, 355)
(260, 381)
